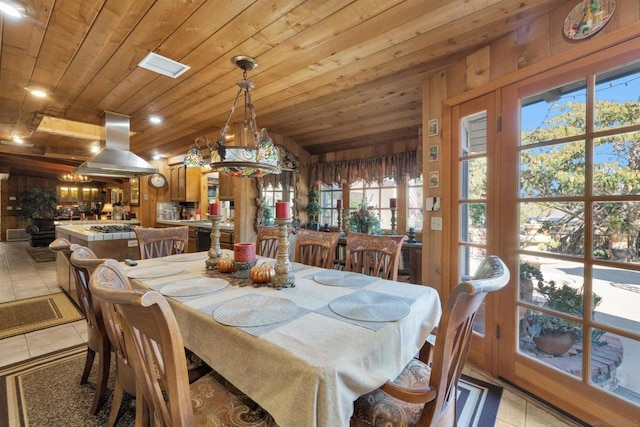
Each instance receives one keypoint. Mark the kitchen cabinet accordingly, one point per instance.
(184, 183)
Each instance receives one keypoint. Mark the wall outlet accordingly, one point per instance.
(436, 223)
(132, 243)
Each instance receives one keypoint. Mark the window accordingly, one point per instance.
(329, 196)
(375, 196)
(271, 195)
(414, 204)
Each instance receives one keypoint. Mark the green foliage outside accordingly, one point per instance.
(560, 171)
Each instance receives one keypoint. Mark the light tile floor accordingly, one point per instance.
(21, 278)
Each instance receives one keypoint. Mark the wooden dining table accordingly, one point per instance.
(307, 368)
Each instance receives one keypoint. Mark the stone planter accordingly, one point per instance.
(555, 343)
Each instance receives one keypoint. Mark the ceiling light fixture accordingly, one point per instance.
(73, 178)
(259, 158)
(156, 120)
(38, 91)
(13, 8)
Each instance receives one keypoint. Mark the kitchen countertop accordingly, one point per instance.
(227, 226)
(83, 231)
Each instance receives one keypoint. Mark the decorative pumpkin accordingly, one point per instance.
(225, 265)
(261, 273)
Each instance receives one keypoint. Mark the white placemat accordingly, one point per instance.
(255, 310)
(194, 286)
(195, 256)
(370, 306)
(339, 278)
(153, 272)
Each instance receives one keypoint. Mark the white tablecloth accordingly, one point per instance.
(309, 370)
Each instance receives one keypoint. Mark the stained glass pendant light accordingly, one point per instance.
(258, 158)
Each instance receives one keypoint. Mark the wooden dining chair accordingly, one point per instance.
(83, 261)
(424, 395)
(316, 248)
(154, 345)
(159, 242)
(267, 241)
(374, 255)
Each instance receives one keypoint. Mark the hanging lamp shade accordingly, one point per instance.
(254, 158)
(193, 158)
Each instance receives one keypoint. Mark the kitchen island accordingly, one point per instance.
(108, 239)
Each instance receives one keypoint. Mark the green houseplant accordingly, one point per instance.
(313, 208)
(363, 220)
(39, 203)
(553, 334)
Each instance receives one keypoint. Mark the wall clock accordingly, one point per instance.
(157, 180)
(587, 18)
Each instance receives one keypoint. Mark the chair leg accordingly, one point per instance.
(143, 414)
(118, 394)
(91, 354)
(104, 362)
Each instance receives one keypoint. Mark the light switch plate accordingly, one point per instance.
(436, 223)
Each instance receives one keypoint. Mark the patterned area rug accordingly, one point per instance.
(46, 391)
(477, 402)
(32, 314)
(39, 254)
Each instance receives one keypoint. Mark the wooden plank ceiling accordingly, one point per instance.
(332, 74)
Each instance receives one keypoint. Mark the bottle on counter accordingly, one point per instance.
(197, 214)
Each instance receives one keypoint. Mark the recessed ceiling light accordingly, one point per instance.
(156, 156)
(18, 139)
(13, 8)
(156, 120)
(38, 91)
(95, 149)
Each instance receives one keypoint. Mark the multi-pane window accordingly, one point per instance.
(376, 197)
(329, 196)
(271, 195)
(414, 204)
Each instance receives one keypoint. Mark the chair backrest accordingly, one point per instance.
(374, 255)
(267, 241)
(454, 337)
(114, 277)
(316, 248)
(83, 261)
(154, 342)
(159, 242)
(64, 247)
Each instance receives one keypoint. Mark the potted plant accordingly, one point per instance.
(313, 209)
(39, 205)
(552, 334)
(363, 220)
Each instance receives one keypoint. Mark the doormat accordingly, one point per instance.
(477, 402)
(33, 314)
(40, 254)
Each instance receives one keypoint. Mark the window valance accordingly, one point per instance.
(374, 169)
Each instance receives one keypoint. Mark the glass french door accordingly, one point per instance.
(474, 222)
(570, 232)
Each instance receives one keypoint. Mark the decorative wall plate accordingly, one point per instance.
(587, 18)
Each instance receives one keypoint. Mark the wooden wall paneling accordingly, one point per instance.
(478, 66)
(627, 12)
(456, 80)
(532, 40)
(502, 58)
(435, 89)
